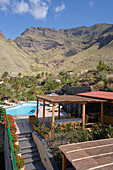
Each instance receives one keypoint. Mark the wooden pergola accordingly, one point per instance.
(67, 99)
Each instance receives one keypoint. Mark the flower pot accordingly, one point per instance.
(32, 118)
(39, 131)
(45, 136)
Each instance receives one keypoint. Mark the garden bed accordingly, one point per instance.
(69, 135)
(42, 130)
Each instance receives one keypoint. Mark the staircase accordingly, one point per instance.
(29, 152)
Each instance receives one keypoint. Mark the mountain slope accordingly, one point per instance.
(49, 50)
(12, 58)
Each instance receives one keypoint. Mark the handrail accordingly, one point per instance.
(11, 145)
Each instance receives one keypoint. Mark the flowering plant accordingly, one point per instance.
(19, 161)
(14, 137)
(12, 125)
(16, 148)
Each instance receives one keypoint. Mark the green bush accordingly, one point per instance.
(2, 112)
(101, 84)
(36, 122)
(110, 78)
(43, 128)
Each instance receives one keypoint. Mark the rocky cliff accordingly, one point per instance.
(48, 49)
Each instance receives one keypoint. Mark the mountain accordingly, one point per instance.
(50, 50)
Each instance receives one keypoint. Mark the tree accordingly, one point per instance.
(102, 66)
(19, 74)
(42, 74)
(2, 112)
(5, 74)
(38, 76)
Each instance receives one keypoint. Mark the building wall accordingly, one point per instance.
(2, 131)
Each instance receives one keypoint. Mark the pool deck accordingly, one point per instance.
(23, 125)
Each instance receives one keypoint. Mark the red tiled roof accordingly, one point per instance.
(98, 95)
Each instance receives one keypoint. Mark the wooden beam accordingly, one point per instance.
(37, 108)
(83, 113)
(59, 111)
(43, 111)
(53, 114)
(102, 111)
(63, 162)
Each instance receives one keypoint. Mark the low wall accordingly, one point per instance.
(2, 131)
(7, 156)
(44, 152)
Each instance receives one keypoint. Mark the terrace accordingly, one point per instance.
(68, 99)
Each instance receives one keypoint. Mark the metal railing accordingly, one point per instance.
(11, 145)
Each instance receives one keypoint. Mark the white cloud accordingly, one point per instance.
(37, 8)
(4, 2)
(91, 4)
(60, 8)
(20, 7)
(4, 5)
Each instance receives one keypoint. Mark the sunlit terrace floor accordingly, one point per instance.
(23, 125)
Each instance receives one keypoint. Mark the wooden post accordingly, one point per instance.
(83, 114)
(43, 111)
(63, 162)
(102, 111)
(37, 108)
(53, 114)
(59, 111)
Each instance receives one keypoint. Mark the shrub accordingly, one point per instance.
(44, 129)
(103, 76)
(16, 148)
(110, 78)
(2, 112)
(19, 161)
(100, 131)
(101, 84)
(36, 122)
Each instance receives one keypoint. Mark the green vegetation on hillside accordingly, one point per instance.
(27, 87)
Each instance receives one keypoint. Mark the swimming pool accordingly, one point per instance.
(23, 109)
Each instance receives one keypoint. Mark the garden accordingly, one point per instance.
(71, 133)
(67, 134)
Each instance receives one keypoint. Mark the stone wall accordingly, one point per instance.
(74, 108)
(7, 155)
(2, 131)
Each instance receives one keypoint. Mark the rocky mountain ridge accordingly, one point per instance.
(50, 50)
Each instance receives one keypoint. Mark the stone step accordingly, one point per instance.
(30, 155)
(35, 165)
(32, 159)
(25, 139)
(27, 134)
(26, 145)
(29, 150)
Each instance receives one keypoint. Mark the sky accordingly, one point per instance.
(18, 15)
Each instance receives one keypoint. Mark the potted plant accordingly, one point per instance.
(36, 124)
(44, 131)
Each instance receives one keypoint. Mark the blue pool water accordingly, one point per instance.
(22, 109)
